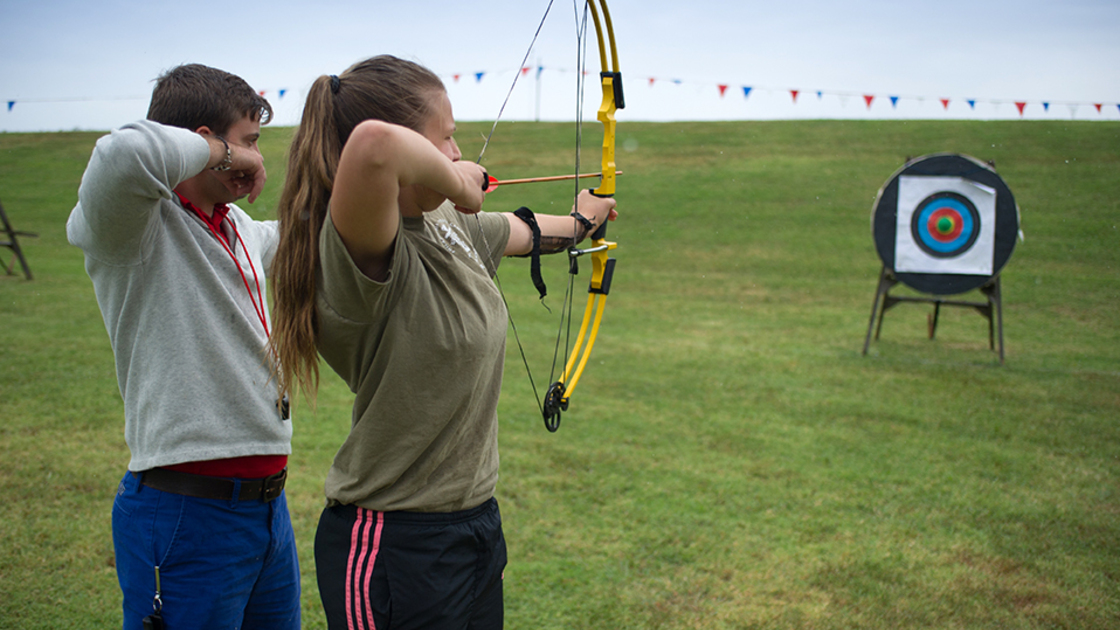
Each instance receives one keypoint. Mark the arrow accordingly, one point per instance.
(494, 182)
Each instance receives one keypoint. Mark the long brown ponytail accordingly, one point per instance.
(382, 88)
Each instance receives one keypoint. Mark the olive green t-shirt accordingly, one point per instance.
(423, 354)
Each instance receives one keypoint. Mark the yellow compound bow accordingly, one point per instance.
(559, 393)
(602, 266)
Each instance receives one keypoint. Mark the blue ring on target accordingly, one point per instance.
(945, 224)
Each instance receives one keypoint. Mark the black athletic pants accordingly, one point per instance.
(411, 570)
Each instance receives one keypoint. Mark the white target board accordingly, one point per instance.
(946, 225)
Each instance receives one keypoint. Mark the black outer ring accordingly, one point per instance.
(915, 226)
(884, 221)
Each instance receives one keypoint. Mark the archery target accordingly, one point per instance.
(945, 225)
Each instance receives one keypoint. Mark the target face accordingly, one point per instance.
(945, 225)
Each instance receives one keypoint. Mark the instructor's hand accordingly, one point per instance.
(247, 172)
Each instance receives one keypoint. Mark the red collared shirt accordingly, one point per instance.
(214, 221)
(249, 467)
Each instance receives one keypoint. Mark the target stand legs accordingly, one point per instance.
(995, 303)
(12, 243)
(992, 310)
(886, 281)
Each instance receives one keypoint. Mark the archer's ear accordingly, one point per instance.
(204, 131)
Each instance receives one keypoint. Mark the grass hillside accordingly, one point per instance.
(730, 459)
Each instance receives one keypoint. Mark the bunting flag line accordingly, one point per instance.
(1021, 105)
(721, 89)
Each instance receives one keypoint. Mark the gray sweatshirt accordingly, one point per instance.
(191, 358)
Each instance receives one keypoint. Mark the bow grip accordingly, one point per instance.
(601, 231)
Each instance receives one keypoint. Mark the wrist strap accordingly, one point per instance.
(584, 221)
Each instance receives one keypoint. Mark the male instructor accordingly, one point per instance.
(201, 527)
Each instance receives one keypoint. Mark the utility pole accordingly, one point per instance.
(539, 69)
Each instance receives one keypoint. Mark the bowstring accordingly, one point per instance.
(494, 271)
(566, 312)
(566, 319)
(513, 85)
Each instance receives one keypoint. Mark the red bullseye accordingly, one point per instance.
(945, 225)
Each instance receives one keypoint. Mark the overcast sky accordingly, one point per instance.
(70, 64)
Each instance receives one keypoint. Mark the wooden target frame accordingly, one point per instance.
(944, 224)
(12, 235)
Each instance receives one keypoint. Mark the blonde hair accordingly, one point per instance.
(380, 88)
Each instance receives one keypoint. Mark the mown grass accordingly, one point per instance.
(730, 460)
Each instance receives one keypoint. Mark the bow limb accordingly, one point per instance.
(559, 393)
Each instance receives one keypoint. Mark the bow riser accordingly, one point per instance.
(607, 116)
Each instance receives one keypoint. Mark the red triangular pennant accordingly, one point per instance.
(945, 103)
(1098, 106)
(793, 93)
(723, 89)
(1020, 105)
(867, 98)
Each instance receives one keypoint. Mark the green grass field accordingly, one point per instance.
(730, 459)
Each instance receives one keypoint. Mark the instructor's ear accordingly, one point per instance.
(204, 131)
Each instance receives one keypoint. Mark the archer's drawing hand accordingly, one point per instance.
(474, 181)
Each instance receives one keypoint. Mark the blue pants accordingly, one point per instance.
(411, 571)
(223, 564)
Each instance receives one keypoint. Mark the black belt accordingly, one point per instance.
(203, 487)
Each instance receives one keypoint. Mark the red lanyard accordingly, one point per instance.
(220, 213)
